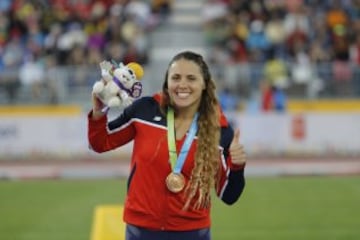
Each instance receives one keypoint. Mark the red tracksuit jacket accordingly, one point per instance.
(149, 203)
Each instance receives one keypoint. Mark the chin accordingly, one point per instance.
(179, 104)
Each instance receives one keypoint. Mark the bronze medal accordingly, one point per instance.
(175, 182)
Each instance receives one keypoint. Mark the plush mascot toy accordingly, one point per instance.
(119, 84)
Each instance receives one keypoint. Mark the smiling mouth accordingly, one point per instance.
(182, 94)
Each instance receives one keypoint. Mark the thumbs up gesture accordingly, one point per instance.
(237, 153)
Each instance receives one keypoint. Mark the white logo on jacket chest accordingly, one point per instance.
(157, 118)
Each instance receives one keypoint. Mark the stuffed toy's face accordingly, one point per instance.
(126, 76)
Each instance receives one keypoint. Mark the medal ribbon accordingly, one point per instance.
(175, 161)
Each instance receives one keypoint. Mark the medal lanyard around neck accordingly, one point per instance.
(175, 161)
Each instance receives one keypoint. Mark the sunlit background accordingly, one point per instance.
(287, 75)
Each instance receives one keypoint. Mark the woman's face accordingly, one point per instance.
(185, 83)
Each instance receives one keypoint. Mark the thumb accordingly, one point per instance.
(236, 138)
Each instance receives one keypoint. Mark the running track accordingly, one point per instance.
(90, 169)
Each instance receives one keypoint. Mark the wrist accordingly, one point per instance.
(97, 114)
(236, 166)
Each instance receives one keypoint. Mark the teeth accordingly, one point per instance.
(183, 95)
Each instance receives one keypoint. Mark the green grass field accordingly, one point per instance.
(295, 208)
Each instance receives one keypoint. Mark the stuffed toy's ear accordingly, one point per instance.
(137, 68)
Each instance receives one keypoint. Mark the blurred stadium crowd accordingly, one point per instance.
(38, 37)
(306, 48)
(297, 48)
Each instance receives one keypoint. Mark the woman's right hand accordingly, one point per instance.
(97, 107)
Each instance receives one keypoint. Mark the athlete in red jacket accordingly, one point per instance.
(183, 148)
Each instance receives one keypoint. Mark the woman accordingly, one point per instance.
(183, 148)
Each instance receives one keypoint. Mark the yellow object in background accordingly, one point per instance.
(41, 110)
(108, 223)
(329, 105)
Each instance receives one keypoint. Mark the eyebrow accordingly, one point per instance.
(189, 74)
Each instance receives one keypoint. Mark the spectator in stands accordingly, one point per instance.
(266, 97)
(235, 41)
(279, 99)
(32, 76)
(10, 84)
(257, 42)
(304, 73)
(355, 50)
(11, 60)
(228, 100)
(297, 28)
(275, 32)
(273, 98)
(275, 70)
(162, 9)
(181, 187)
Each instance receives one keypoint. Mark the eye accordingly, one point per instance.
(131, 72)
(191, 78)
(175, 77)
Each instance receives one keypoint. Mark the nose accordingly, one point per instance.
(182, 83)
(182, 86)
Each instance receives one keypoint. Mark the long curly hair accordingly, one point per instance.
(203, 176)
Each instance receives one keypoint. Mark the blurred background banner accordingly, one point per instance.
(301, 134)
(53, 135)
(272, 134)
(47, 132)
